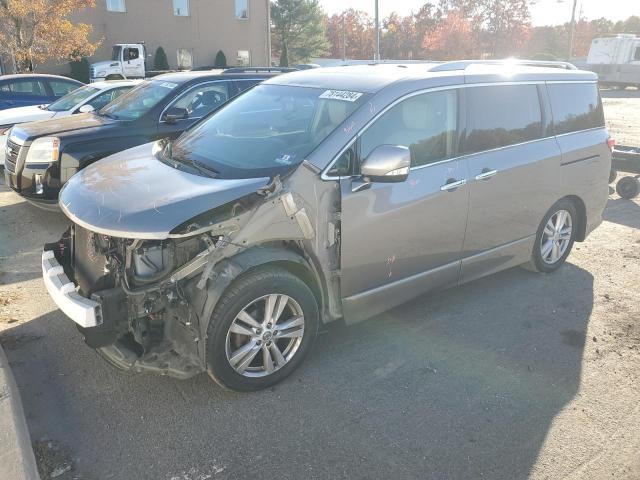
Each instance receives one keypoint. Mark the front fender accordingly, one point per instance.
(228, 269)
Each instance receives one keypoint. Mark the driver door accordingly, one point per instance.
(400, 240)
(197, 102)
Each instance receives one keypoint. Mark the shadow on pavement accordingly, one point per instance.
(622, 211)
(461, 384)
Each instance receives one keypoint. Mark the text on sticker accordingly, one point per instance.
(341, 95)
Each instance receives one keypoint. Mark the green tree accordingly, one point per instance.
(221, 60)
(80, 70)
(297, 29)
(160, 61)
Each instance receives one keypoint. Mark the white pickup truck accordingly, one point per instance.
(616, 60)
(127, 62)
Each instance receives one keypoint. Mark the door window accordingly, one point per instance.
(636, 55)
(26, 87)
(203, 99)
(245, 84)
(502, 115)
(426, 124)
(131, 53)
(101, 100)
(62, 88)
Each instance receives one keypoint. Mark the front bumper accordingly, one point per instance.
(85, 312)
(35, 183)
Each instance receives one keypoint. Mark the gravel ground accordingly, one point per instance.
(622, 111)
(516, 376)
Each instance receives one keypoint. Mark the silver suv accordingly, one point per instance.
(321, 195)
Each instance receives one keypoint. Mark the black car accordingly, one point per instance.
(42, 156)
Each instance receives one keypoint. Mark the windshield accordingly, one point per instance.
(138, 101)
(266, 131)
(70, 100)
(115, 54)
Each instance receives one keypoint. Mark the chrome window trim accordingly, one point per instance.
(326, 177)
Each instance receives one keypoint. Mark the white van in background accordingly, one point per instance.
(616, 60)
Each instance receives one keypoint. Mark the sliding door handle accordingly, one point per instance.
(452, 184)
(486, 173)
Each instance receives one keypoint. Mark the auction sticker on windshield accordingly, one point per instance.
(341, 95)
(170, 85)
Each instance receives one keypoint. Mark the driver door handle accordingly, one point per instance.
(486, 173)
(452, 184)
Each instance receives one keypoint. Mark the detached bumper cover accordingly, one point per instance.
(85, 312)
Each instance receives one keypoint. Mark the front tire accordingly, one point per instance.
(555, 237)
(263, 326)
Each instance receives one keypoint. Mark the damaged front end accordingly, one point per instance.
(145, 304)
(136, 313)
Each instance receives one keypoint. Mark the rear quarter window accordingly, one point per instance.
(575, 107)
(501, 115)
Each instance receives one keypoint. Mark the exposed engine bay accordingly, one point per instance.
(157, 296)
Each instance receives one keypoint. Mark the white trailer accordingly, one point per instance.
(616, 60)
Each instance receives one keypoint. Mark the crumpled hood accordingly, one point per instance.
(31, 113)
(133, 195)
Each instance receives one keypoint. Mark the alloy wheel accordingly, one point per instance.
(556, 237)
(265, 335)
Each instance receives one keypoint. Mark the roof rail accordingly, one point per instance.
(462, 64)
(259, 70)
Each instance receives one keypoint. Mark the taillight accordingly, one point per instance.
(611, 142)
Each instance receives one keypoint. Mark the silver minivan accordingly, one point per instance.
(327, 194)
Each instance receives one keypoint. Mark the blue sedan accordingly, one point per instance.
(32, 89)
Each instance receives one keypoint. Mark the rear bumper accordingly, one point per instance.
(85, 312)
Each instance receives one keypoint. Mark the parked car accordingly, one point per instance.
(42, 156)
(326, 194)
(81, 100)
(24, 90)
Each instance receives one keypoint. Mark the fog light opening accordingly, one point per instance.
(39, 186)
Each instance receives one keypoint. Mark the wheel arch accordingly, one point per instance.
(230, 269)
(581, 209)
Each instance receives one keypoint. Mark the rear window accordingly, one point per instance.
(575, 107)
(501, 115)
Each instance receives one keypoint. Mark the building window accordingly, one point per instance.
(242, 9)
(116, 6)
(181, 8)
(185, 59)
(244, 58)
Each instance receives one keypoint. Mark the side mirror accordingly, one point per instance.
(86, 108)
(174, 114)
(387, 164)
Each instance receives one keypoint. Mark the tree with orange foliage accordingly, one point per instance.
(33, 31)
(351, 33)
(452, 38)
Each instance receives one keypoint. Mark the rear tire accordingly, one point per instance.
(114, 77)
(248, 349)
(628, 187)
(554, 238)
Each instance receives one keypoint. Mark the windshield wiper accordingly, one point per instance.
(200, 167)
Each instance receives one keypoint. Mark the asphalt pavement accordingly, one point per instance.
(517, 375)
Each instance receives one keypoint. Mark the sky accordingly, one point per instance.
(543, 12)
